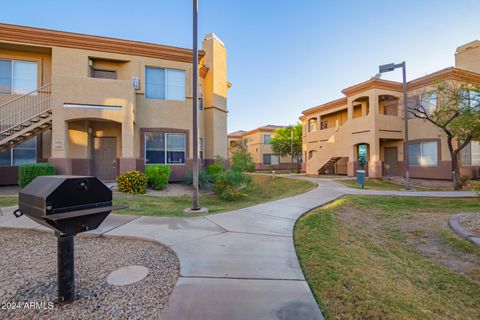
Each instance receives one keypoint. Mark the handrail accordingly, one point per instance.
(19, 110)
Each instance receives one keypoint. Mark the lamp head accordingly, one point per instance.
(386, 67)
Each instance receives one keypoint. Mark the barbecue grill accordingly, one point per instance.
(69, 205)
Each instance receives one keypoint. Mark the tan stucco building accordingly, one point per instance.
(258, 145)
(369, 118)
(100, 106)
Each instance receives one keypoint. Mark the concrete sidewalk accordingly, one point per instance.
(235, 265)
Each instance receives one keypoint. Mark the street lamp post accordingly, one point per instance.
(387, 68)
(196, 208)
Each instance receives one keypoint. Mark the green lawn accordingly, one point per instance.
(8, 201)
(263, 189)
(370, 257)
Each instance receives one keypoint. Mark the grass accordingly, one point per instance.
(8, 201)
(373, 257)
(262, 189)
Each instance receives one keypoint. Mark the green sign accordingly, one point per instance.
(362, 150)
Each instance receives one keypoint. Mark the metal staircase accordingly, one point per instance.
(25, 117)
(328, 165)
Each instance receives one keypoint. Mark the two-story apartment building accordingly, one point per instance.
(258, 145)
(100, 106)
(369, 120)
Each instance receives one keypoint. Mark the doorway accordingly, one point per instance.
(105, 157)
(390, 164)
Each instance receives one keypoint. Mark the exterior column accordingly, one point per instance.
(59, 156)
(351, 162)
(127, 161)
(374, 163)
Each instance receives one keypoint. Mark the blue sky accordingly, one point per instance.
(283, 56)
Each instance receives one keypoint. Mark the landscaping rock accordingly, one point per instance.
(28, 273)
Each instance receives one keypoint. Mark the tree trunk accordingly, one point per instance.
(457, 182)
(299, 165)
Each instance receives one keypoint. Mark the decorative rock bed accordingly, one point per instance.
(28, 274)
(467, 226)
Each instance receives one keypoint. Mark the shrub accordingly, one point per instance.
(158, 175)
(242, 161)
(215, 169)
(229, 184)
(28, 172)
(205, 180)
(476, 189)
(132, 182)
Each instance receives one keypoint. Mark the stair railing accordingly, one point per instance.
(20, 110)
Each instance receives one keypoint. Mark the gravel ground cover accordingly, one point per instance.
(28, 273)
(471, 222)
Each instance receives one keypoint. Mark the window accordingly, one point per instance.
(104, 74)
(428, 101)
(323, 125)
(165, 84)
(201, 149)
(311, 154)
(21, 154)
(270, 159)
(267, 138)
(164, 148)
(423, 154)
(18, 77)
(469, 99)
(312, 125)
(470, 154)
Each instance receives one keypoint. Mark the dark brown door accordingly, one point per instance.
(391, 162)
(104, 158)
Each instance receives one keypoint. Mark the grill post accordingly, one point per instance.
(66, 268)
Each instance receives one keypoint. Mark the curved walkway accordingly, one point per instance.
(240, 264)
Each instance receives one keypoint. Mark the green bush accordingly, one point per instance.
(229, 184)
(205, 180)
(242, 161)
(132, 182)
(215, 169)
(158, 175)
(28, 172)
(476, 189)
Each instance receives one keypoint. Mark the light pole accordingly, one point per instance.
(387, 68)
(196, 208)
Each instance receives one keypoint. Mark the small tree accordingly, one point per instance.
(281, 143)
(454, 107)
(242, 160)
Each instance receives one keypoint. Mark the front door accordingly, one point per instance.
(391, 162)
(104, 158)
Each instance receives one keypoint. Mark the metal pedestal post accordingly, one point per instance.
(66, 269)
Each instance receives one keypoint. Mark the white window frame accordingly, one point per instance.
(166, 83)
(12, 67)
(166, 149)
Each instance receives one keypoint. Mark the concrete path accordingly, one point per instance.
(235, 265)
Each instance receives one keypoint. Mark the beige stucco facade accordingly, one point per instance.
(257, 142)
(371, 114)
(85, 107)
